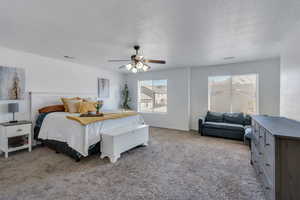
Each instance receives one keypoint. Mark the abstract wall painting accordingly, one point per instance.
(12, 83)
(103, 88)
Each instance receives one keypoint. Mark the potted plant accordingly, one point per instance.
(126, 98)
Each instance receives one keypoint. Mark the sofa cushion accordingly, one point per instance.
(214, 117)
(234, 118)
(227, 126)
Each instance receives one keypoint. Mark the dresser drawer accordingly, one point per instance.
(268, 189)
(269, 143)
(255, 142)
(269, 172)
(257, 161)
(261, 132)
(254, 156)
(12, 131)
(255, 129)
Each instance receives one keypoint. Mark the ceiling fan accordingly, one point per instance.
(138, 62)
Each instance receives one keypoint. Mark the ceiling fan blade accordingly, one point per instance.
(155, 61)
(119, 60)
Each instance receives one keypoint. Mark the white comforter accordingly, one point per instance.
(57, 127)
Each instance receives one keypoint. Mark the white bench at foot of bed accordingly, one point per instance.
(117, 141)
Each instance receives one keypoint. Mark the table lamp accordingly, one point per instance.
(13, 108)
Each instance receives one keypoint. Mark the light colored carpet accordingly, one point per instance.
(176, 165)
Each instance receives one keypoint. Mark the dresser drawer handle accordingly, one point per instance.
(267, 188)
(19, 130)
(260, 153)
(268, 165)
(267, 144)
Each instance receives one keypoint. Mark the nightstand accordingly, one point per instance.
(11, 130)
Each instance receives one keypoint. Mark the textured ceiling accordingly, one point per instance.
(183, 32)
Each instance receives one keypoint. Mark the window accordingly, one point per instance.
(152, 96)
(233, 93)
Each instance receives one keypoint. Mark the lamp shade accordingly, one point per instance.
(13, 107)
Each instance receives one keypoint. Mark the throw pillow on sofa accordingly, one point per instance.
(214, 117)
(234, 118)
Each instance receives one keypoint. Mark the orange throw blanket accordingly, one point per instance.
(88, 120)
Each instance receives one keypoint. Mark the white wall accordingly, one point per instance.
(49, 75)
(269, 85)
(188, 91)
(177, 116)
(290, 76)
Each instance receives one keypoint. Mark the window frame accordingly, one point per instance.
(138, 97)
(232, 75)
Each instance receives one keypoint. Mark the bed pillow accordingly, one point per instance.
(54, 108)
(65, 100)
(85, 107)
(73, 106)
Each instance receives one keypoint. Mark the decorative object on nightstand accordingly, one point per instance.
(13, 108)
(99, 106)
(10, 131)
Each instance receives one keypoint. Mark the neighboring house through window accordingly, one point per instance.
(152, 96)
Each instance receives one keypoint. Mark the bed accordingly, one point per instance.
(54, 130)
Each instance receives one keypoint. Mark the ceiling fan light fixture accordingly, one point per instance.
(139, 65)
(134, 70)
(145, 68)
(128, 67)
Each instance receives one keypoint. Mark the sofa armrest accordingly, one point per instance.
(200, 123)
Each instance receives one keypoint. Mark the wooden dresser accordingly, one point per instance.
(275, 155)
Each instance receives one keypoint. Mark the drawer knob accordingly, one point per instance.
(19, 130)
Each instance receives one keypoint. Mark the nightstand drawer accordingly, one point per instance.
(13, 131)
